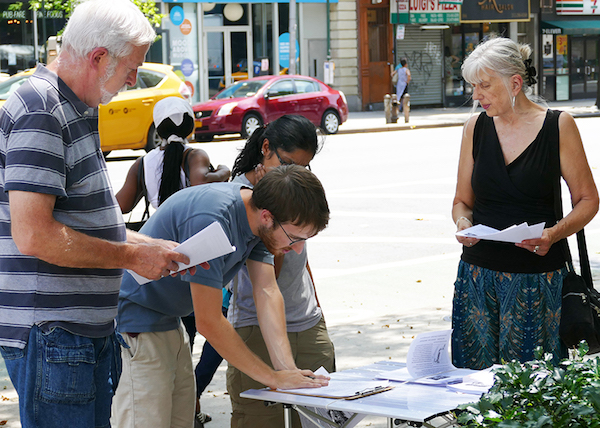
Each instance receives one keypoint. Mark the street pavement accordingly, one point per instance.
(384, 268)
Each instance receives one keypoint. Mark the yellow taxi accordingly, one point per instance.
(126, 122)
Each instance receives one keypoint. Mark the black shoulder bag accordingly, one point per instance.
(580, 313)
(141, 184)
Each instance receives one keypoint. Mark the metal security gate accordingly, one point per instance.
(425, 54)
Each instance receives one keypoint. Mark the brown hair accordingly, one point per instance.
(294, 195)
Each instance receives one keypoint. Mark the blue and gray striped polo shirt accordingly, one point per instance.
(49, 143)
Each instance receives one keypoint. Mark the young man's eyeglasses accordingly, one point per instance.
(292, 241)
(282, 162)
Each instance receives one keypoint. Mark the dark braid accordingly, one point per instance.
(170, 181)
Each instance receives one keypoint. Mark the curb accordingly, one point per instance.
(408, 126)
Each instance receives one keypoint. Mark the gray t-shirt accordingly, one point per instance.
(301, 309)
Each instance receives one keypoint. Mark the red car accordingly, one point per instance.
(248, 104)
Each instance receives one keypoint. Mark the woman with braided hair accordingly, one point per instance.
(291, 139)
(173, 165)
(507, 298)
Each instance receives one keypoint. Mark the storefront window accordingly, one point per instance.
(16, 36)
(562, 54)
(183, 41)
(453, 59)
(562, 68)
(225, 14)
(263, 35)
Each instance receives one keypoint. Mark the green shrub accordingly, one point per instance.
(541, 395)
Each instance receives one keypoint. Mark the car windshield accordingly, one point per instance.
(243, 89)
(11, 85)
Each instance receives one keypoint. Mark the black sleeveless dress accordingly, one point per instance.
(521, 191)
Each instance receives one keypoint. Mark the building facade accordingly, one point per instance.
(211, 45)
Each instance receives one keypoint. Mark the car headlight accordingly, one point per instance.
(226, 109)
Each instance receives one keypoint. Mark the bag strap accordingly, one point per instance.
(584, 261)
(144, 192)
(185, 164)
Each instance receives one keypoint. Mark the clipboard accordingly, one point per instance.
(355, 396)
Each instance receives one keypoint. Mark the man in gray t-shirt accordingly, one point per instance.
(307, 333)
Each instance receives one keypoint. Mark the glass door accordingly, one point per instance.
(216, 61)
(584, 67)
(228, 51)
(591, 67)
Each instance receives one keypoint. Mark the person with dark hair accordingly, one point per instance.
(287, 207)
(403, 79)
(288, 140)
(173, 165)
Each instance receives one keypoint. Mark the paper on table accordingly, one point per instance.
(428, 354)
(476, 383)
(208, 244)
(513, 234)
(428, 361)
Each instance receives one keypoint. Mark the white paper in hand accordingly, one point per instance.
(208, 244)
(513, 234)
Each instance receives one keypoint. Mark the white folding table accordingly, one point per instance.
(410, 403)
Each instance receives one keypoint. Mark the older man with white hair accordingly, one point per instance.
(63, 243)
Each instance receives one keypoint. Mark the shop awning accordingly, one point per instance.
(573, 27)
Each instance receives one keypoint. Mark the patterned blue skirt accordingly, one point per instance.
(501, 316)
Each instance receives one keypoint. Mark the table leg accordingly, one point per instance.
(287, 415)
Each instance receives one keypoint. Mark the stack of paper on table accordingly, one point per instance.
(428, 362)
(512, 234)
(208, 244)
(476, 383)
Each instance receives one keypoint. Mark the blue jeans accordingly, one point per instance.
(210, 360)
(64, 380)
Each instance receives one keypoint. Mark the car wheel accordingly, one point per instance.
(250, 124)
(153, 139)
(330, 122)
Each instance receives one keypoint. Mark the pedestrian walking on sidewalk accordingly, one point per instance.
(403, 80)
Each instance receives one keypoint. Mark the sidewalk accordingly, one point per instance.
(374, 121)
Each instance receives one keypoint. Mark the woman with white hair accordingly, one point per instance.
(507, 298)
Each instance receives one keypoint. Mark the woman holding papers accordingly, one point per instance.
(507, 298)
(289, 140)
